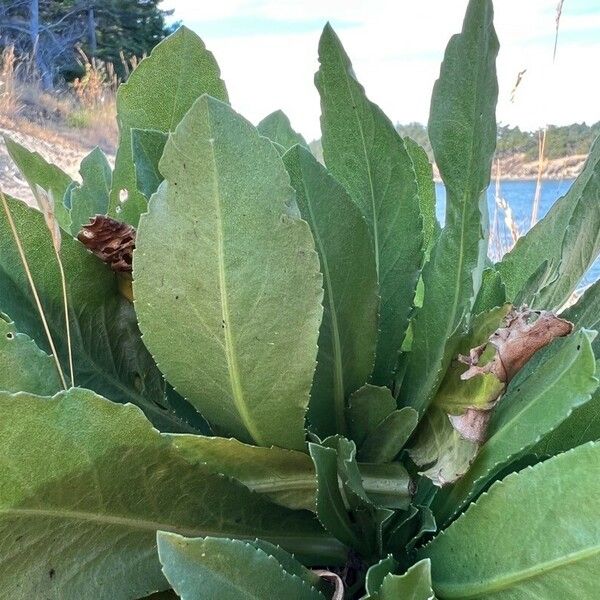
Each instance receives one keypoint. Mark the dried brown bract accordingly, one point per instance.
(111, 241)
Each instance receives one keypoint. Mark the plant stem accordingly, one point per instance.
(32, 286)
(63, 281)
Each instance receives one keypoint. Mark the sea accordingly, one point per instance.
(512, 202)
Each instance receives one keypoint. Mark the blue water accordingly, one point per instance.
(519, 195)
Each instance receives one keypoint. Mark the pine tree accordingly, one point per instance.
(50, 31)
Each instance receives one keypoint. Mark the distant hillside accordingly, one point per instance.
(561, 141)
(566, 149)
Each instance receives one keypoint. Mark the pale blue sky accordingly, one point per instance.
(267, 50)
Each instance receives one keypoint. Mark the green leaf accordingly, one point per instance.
(377, 573)
(365, 493)
(585, 313)
(109, 356)
(100, 482)
(367, 408)
(224, 254)
(386, 485)
(440, 449)
(426, 193)
(227, 569)
(415, 584)
(567, 238)
(38, 172)
(413, 525)
(462, 129)
(147, 146)
(288, 562)
(364, 152)
(388, 438)
(526, 414)
(535, 535)
(91, 198)
(491, 293)
(278, 129)
(349, 329)
(156, 96)
(24, 366)
(331, 508)
(583, 425)
(286, 476)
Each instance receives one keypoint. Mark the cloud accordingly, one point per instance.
(267, 50)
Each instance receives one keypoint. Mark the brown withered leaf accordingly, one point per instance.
(455, 426)
(524, 333)
(111, 241)
(473, 424)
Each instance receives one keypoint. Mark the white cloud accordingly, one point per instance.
(396, 48)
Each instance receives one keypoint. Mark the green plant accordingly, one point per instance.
(342, 377)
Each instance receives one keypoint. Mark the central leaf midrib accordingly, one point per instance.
(475, 590)
(149, 525)
(235, 380)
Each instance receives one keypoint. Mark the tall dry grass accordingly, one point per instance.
(82, 110)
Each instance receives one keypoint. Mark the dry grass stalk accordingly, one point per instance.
(559, 8)
(34, 291)
(46, 204)
(8, 91)
(538, 182)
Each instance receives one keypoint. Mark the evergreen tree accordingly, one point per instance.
(50, 31)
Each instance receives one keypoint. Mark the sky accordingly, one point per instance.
(267, 51)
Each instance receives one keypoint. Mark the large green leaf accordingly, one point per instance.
(534, 535)
(91, 198)
(286, 476)
(156, 96)
(349, 330)
(108, 353)
(585, 313)
(364, 152)
(278, 129)
(226, 279)
(583, 425)
(147, 147)
(204, 568)
(100, 480)
(25, 368)
(567, 239)
(462, 129)
(38, 172)
(528, 412)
